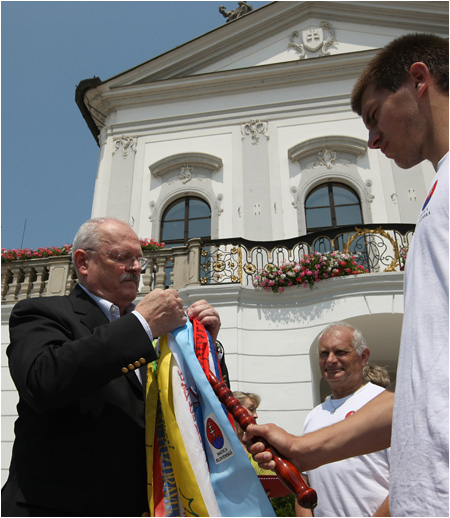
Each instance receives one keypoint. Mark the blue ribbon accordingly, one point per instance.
(236, 485)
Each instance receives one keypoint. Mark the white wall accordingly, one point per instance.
(270, 340)
(9, 400)
(253, 173)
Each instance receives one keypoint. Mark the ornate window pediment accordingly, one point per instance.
(186, 163)
(326, 151)
(186, 174)
(330, 159)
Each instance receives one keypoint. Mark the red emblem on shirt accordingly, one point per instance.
(349, 414)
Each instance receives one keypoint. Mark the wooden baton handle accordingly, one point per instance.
(284, 469)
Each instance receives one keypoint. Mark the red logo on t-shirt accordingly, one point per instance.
(349, 414)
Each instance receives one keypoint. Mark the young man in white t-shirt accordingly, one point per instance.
(402, 96)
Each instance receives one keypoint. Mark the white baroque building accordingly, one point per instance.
(237, 134)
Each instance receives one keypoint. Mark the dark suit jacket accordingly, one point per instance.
(80, 446)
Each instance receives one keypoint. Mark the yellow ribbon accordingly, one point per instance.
(189, 492)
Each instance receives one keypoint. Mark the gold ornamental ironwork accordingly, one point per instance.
(378, 231)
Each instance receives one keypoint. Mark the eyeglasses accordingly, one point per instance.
(124, 258)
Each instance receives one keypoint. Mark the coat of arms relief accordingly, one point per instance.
(314, 40)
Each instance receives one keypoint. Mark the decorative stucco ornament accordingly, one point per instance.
(255, 128)
(185, 174)
(126, 143)
(327, 157)
(313, 40)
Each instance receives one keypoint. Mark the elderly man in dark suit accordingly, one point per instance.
(76, 361)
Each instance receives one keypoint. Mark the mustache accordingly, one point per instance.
(130, 276)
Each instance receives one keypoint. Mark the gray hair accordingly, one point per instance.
(89, 235)
(359, 342)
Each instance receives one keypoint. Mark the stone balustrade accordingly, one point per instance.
(36, 278)
(214, 262)
(49, 276)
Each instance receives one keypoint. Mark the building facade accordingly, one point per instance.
(247, 132)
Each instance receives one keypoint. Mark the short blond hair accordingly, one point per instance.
(376, 374)
(242, 396)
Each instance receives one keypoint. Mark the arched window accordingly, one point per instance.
(332, 205)
(184, 219)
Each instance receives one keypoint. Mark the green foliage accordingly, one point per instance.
(284, 505)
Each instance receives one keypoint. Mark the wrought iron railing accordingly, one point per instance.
(216, 262)
(238, 260)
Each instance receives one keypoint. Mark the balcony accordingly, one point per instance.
(225, 261)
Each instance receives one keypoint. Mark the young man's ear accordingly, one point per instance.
(80, 259)
(420, 74)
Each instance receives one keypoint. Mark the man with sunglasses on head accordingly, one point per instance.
(79, 364)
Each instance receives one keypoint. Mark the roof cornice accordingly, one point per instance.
(176, 74)
(344, 66)
(260, 24)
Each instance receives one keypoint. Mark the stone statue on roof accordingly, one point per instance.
(244, 8)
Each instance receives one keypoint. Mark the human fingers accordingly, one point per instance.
(158, 297)
(173, 294)
(252, 431)
(163, 310)
(206, 315)
(258, 449)
(263, 458)
(200, 307)
(273, 436)
(172, 311)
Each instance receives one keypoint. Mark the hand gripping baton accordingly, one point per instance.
(284, 469)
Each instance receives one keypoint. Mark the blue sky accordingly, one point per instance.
(48, 155)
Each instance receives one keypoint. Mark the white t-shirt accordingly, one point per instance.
(355, 486)
(420, 454)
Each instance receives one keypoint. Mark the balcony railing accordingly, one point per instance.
(238, 260)
(222, 261)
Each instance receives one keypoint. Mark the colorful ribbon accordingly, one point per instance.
(196, 464)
